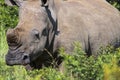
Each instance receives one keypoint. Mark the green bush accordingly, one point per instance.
(77, 66)
(82, 67)
(8, 15)
(115, 3)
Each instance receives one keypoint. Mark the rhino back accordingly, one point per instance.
(94, 23)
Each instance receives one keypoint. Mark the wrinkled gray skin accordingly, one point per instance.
(46, 25)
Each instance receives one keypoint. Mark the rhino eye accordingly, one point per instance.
(36, 34)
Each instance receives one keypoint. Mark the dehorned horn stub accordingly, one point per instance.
(11, 37)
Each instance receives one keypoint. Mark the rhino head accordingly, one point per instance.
(32, 34)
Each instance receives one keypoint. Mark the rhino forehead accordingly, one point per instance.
(31, 14)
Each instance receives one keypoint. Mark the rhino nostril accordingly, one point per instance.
(25, 57)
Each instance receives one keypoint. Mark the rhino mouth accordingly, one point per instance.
(21, 59)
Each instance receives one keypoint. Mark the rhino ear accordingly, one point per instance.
(49, 3)
(14, 2)
(44, 2)
(50, 8)
(10, 2)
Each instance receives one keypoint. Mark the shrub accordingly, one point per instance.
(115, 3)
(77, 66)
(81, 67)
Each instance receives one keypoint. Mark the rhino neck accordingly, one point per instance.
(51, 12)
(54, 30)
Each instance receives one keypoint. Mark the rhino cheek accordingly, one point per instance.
(43, 42)
(41, 45)
(38, 49)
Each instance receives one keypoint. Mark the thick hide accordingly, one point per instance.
(47, 25)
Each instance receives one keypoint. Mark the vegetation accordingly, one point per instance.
(77, 66)
(115, 3)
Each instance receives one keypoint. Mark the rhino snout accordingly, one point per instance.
(17, 59)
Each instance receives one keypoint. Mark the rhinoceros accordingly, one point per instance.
(47, 25)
